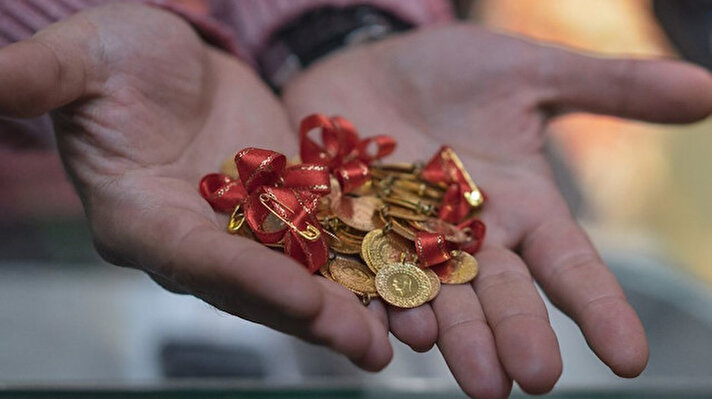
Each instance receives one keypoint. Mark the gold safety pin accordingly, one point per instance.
(237, 219)
(311, 233)
(474, 197)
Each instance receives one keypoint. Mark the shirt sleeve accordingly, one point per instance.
(254, 21)
(20, 19)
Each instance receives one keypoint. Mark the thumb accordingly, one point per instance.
(663, 91)
(44, 72)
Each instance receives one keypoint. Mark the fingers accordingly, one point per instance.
(467, 343)
(651, 90)
(415, 327)
(570, 271)
(526, 343)
(248, 280)
(40, 74)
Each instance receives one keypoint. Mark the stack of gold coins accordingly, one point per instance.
(371, 234)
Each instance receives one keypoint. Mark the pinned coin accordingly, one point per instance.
(380, 249)
(403, 285)
(353, 275)
(344, 245)
(357, 212)
(404, 213)
(460, 269)
(402, 228)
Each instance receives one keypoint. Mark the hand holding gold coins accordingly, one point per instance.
(390, 231)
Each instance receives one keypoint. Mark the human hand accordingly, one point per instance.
(490, 96)
(143, 109)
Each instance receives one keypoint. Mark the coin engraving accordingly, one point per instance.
(353, 275)
(460, 269)
(379, 249)
(403, 285)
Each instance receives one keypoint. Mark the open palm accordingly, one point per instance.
(490, 97)
(143, 109)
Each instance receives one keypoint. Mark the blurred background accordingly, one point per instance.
(644, 193)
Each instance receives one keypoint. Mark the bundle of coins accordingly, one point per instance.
(380, 230)
(372, 233)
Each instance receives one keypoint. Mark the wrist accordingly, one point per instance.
(320, 32)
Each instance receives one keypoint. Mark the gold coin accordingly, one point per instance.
(379, 249)
(404, 213)
(421, 189)
(460, 269)
(417, 198)
(353, 275)
(324, 210)
(357, 212)
(343, 245)
(324, 271)
(434, 283)
(402, 229)
(403, 284)
(435, 225)
(352, 234)
(411, 203)
(366, 189)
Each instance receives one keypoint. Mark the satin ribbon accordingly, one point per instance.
(434, 249)
(266, 186)
(478, 230)
(444, 169)
(342, 150)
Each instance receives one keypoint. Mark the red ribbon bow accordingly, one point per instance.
(433, 249)
(445, 167)
(267, 187)
(343, 152)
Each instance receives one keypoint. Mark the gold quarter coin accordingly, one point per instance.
(353, 275)
(403, 285)
(434, 283)
(344, 245)
(460, 269)
(366, 189)
(404, 213)
(352, 234)
(357, 212)
(402, 229)
(324, 271)
(421, 189)
(380, 249)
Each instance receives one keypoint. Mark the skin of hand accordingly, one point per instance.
(143, 109)
(490, 96)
